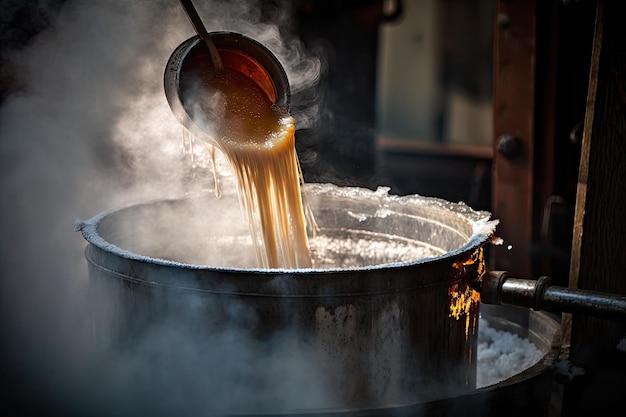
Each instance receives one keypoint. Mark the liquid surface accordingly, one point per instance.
(247, 118)
(258, 140)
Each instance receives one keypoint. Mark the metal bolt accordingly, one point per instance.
(504, 20)
(508, 145)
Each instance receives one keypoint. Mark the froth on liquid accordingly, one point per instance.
(258, 141)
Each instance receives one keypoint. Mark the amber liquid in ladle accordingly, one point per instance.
(257, 137)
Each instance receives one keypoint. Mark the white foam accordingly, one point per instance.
(502, 354)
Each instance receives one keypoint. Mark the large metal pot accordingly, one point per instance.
(361, 329)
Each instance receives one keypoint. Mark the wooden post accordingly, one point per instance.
(514, 124)
(597, 346)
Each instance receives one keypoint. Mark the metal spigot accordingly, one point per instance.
(500, 288)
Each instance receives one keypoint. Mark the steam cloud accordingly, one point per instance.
(90, 129)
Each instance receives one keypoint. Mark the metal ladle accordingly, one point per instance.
(218, 50)
(202, 33)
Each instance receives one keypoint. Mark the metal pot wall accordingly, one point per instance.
(373, 330)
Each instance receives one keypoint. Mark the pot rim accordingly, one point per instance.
(483, 229)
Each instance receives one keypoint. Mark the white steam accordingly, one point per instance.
(88, 129)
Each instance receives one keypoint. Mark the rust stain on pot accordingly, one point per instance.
(464, 300)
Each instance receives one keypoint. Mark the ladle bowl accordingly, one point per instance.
(237, 52)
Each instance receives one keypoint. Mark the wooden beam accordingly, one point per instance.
(599, 241)
(514, 98)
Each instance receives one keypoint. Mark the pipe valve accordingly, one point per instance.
(500, 288)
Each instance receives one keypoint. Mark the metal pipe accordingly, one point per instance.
(499, 288)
